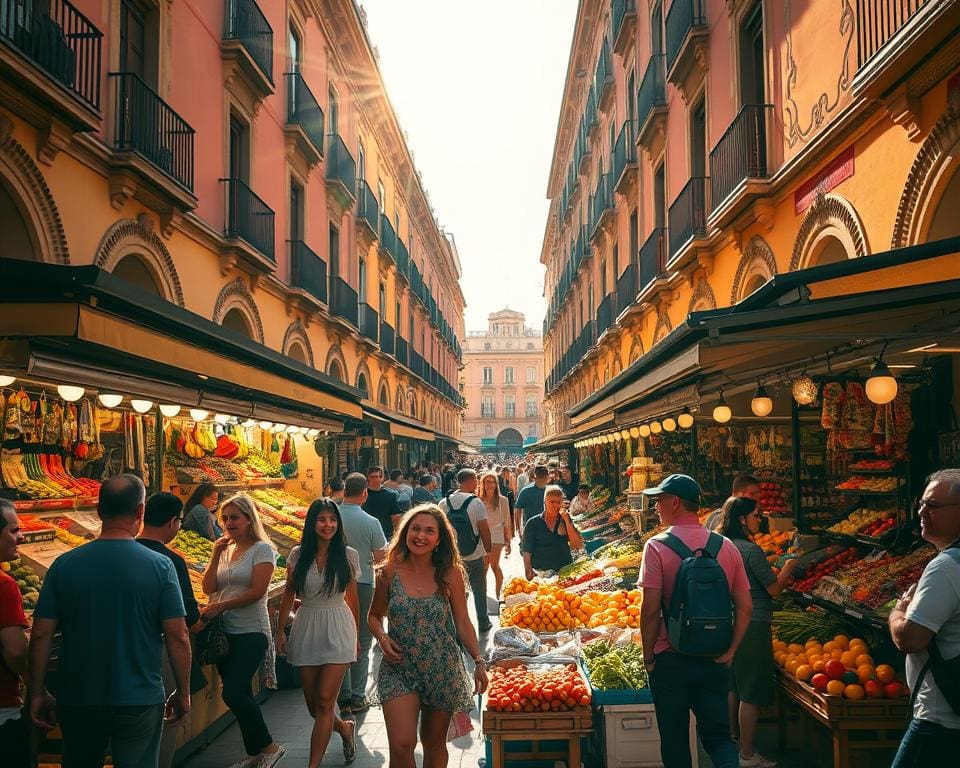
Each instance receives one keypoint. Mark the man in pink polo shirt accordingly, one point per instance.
(679, 682)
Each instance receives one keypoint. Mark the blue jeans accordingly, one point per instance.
(683, 683)
(927, 744)
(354, 685)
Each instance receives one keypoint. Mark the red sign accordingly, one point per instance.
(840, 168)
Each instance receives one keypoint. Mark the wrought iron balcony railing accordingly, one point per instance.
(249, 217)
(246, 23)
(303, 109)
(741, 153)
(307, 270)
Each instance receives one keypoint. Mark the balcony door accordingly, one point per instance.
(296, 211)
(660, 197)
(656, 30)
(239, 149)
(333, 111)
(752, 75)
(698, 140)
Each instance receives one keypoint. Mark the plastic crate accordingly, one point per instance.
(527, 747)
(642, 696)
(629, 737)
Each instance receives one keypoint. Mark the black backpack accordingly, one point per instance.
(467, 538)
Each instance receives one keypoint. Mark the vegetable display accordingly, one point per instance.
(557, 688)
(615, 667)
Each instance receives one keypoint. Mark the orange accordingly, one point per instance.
(864, 658)
(795, 648)
(804, 672)
(857, 641)
(849, 659)
(802, 659)
(865, 672)
(885, 673)
(813, 658)
(819, 665)
(842, 641)
(835, 687)
(791, 667)
(780, 658)
(829, 646)
(854, 691)
(779, 645)
(836, 654)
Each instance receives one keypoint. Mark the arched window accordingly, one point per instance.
(336, 370)
(134, 271)
(235, 321)
(295, 352)
(363, 386)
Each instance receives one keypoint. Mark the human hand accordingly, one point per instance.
(281, 643)
(480, 679)
(220, 545)
(507, 548)
(209, 612)
(725, 659)
(43, 710)
(392, 651)
(906, 597)
(177, 708)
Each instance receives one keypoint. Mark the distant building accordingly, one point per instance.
(503, 384)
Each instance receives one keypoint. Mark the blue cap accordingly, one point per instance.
(682, 486)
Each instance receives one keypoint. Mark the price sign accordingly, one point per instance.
(875, 555)
(829, 588)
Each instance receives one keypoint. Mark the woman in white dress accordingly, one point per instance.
(322, 572)
(498, 516)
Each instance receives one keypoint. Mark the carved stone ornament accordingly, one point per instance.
(757, 260)
(296, 333)
(237, 295)
(664, 326)
(135, 237)
(702, 298)
(829, 210)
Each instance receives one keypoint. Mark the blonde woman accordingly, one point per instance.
(236, 579)
(498, 517)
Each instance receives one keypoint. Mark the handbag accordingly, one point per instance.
(213, 645)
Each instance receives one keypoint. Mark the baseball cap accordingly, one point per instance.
(682, 486)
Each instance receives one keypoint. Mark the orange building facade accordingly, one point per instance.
(242, 162)
(706, 146)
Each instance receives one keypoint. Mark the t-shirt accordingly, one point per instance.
(760, 575)
(530, 502)
(233, 579)
(11, 615)
(406, 494)
(658, 569)
(365, 535)
(183, 578)
(936, 606)
(549, 550)
(110, 598)
(522, 481)
(422, 496)
(477, 511)
(571, 489)
(382, 505)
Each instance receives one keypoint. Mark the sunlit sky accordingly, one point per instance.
(477, 88)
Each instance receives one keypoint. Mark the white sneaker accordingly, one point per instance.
(247, 762)
(269, 760)
(756, 761)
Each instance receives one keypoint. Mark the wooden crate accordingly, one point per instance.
(838, 708)
(579, 719)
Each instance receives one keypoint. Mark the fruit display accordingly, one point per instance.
(287, 530)
(193, 548)
(27, 581)
(43, 476)
(551, 608)
(866, 522)
(794, 623)
(823, 562)
(773, 499)
(281, 500)
(873, 465)
(615, 667)
(600, 497)
(869, 484)
(276, 517)
(615, 609)
(541, 688)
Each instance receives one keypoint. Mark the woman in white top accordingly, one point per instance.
(498, 516)
(322, 572)
(237, 578)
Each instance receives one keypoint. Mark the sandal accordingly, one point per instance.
(350, 745)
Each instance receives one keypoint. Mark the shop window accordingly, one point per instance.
(235, 321)
(134, 271)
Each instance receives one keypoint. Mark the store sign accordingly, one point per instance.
(839, 169)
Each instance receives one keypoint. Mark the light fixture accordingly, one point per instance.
(109, 400)
(881, 387)
(804, 390)
(656, 427)
(69, 392)
(722, 413)
(198, 414)
(170, 409)
(644, 430)
(762, 403)
(141, 406)
(292, 429)
(221, 418)
(304, 430)
(279, 427)
(265, 424)
(314, 433)
(6, 381)
(625, 434)
(248, 423)
(685, 420)
(669, 424)
(634, 432)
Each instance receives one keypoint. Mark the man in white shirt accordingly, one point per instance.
(475, 562)
(522, 478)
(930, 612)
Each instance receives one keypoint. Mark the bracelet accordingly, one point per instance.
(479, 660)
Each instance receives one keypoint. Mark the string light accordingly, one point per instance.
(722, 413)
(685, 420)
(762, 403)
(644, 430)
(656, 427)
(669, 424)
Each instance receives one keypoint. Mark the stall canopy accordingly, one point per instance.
(86, 326)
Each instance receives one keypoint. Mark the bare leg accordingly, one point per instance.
(433, 735)
(495, 553)
(324, 684)
(400, 716)
(749, 713)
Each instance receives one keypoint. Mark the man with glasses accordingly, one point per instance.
(681, 682)
(929, 611)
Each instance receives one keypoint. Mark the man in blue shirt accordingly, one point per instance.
(529, 501)
(115, 603)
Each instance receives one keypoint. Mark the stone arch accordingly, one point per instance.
(703, 297)
(236, 295)
(296, 336)
(830, 216)
(33, 198)
(401, 400)
(364, 380)
(335, 365)
(929, 176)
(756, 264)
(383, 395)
(135, 237)
(664, 326)
(636, 350)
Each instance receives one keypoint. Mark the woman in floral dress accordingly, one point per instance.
(421, 593)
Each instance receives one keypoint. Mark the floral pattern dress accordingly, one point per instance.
(432, 665)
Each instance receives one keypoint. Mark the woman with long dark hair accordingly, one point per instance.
(322, 572)
(201, 512)
(421, 592)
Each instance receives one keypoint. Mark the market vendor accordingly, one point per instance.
(549, 537)
(581, 504)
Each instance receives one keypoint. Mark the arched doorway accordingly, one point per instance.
(135, 272)
(509, 441)
(236, 322)
(17, 241)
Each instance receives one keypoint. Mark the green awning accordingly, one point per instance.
(488, 442)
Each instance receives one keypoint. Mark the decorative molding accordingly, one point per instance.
(19, 169)
(297, 333)
(236, 295)
(936, 153)
(829, 211)
(664, 326)
(702, 297)
(135, 237)
(757, 259)
(904, 110)
(383, 395)
(51, 139)
(335, 355)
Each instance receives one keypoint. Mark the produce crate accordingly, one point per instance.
(578, 719)
(628, 736)
(614, 696)
(835, 708)
(546, 753)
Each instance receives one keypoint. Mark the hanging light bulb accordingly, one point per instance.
(279, 427)
(881, 387)
(221, 418)
(69, 392)
(656, 427)
(198, 414)
(685, 420)
(762, 403)
(722, 413)
(108, 400)
(265, 425)
(313, 433)
(248, 423)
(669, 424)
(804, 390)
(634, 432)
(141, 406)
(644, 430)
(291, 429)
(170, 409)
(6, 381)
(624, 434)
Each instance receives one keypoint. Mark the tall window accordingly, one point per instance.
(487, 375)
(334, 252)
(293, 44)
(659, 197)
(508, 375)
(383, 302)
(698, 140)
(333, 110)
(362, 281)
(137, 39)
(399, 317)
(296, 211)
(509, 406)
(751, 57)
(530, 409)
(486, 407)
(361, 161)
(381, 193)
(239, 149)
(531, 374)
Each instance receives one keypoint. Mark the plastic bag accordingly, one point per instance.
(460, 725)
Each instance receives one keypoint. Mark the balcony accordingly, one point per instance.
(343, 301)
(625, 159)
(341, 172)
(304, 119)
(401, 350)
(308, 271)
(416, 363)
(403, 259)
(603, 79)
(387, 338)
(627, 288)
(153, 143)
(368, 213)
(687, 34)
(248, 44)
(584, 153)
(738, 162)
(601, 207)
(388, 240)
(652, 102)
(623, 24)
(249, 218)
(368, 321)
(653, 259)
(606, 313)
(687, 217)
(591, 117)
(52, 48)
